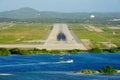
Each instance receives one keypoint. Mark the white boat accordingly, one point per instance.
(68, 61)
(65, 61)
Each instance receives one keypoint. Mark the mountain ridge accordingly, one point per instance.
(27, 12)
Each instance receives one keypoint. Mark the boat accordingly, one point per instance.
(65, 61)
(68, 61)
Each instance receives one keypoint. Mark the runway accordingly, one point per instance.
(69, 43)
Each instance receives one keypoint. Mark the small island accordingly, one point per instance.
(104, 70)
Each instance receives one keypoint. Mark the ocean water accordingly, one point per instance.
(48, 67)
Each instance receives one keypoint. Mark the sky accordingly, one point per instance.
(63, 5)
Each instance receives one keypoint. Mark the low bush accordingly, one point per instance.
(107, 70)
(4, 52)
(96, 50)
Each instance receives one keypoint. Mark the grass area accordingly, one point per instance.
(22, 32)
(95, 37)
(83, 33)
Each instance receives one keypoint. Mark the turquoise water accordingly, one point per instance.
(47, 66)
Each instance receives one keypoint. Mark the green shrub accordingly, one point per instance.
(96, 50)
(15, 51)
(4, 52)
(107, 70)
(55, 51)
(73, 51)
(19, 51)
(113, 50)
(24, 52)
(44, 51)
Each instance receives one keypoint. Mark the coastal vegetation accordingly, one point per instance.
(99, 50)
(73, 51)
(113, 50)
(107, 70)
(4, 52)
(19, 51)
(96, 50)
(104, 70)
(87, 71)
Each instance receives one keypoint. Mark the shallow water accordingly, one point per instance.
(47, 66)
(57, 76)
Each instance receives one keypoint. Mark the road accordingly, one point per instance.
(52, 42)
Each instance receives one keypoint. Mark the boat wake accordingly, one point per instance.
(4, 74)
(40, 63)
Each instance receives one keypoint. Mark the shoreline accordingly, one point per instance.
(24, 51)
(96, 72)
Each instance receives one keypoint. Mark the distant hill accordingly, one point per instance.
(20, 13)
(31, 15)
(24, 13)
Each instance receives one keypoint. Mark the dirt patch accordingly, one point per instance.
(108, 44)
(114, 27)
(92, 28)
(5, 25)
(87, 43)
